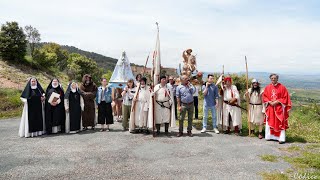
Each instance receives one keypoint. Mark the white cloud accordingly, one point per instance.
(275, 37)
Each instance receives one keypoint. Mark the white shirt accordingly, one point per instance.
(127, 100)
(196, 93)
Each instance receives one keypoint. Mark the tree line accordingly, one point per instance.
(21, 45)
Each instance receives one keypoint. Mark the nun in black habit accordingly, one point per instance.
(54, 112)
(32, 119)
(74, 105)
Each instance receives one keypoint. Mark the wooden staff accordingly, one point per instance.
(153, 120)
(222, 97)
(247, 97)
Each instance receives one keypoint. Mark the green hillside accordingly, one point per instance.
(107, 63)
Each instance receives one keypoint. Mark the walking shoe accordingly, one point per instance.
(204, 130)
(179, 134)
(216, 131)
(190, 134)
(260, 136)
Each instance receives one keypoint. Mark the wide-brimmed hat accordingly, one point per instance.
(254, 81)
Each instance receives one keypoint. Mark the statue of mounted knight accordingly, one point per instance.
(189, 67)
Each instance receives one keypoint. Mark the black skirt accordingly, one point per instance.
(105, 113)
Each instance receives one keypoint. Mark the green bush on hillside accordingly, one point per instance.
(13, 43)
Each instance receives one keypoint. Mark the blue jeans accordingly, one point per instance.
(205, 116)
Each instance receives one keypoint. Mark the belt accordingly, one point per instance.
(255, 104)
(161, 104)
(187, 103)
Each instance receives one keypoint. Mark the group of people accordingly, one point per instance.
(269, 106)
(144, 108)
(53, 110)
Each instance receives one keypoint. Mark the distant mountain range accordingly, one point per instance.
(298, 81)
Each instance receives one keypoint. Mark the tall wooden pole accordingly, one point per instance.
(222, 97)
(247, 97)
(153, 98)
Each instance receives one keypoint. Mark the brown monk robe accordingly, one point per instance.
(88, 89)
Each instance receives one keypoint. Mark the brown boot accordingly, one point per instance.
(236, 130)
(166, 126)
(227, 131)
(158, 129)
(190, 134)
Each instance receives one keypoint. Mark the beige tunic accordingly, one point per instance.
(162, 115)
(139, 115)
(256, 110)
(234, 111)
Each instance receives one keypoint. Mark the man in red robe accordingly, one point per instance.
(278, 104)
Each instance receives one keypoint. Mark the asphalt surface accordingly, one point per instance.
(121, 155)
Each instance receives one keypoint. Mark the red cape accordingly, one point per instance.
(277, 116)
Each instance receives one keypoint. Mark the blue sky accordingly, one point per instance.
(276, 36)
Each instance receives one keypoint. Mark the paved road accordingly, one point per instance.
(121, 155)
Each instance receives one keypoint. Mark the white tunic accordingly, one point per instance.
(162, 94)
(139, 115)
(256, 107)
(162, 115)
(219, 111)
(234, 111)
(24, 123)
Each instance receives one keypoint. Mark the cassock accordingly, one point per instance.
(32, 119)
(163, 106)
(139, 112)
(276, 116)
(256, 107)
(55, 115)
(74, 105)
(89, 92)
(235, 112)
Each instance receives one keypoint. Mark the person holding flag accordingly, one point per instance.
(164, 106)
